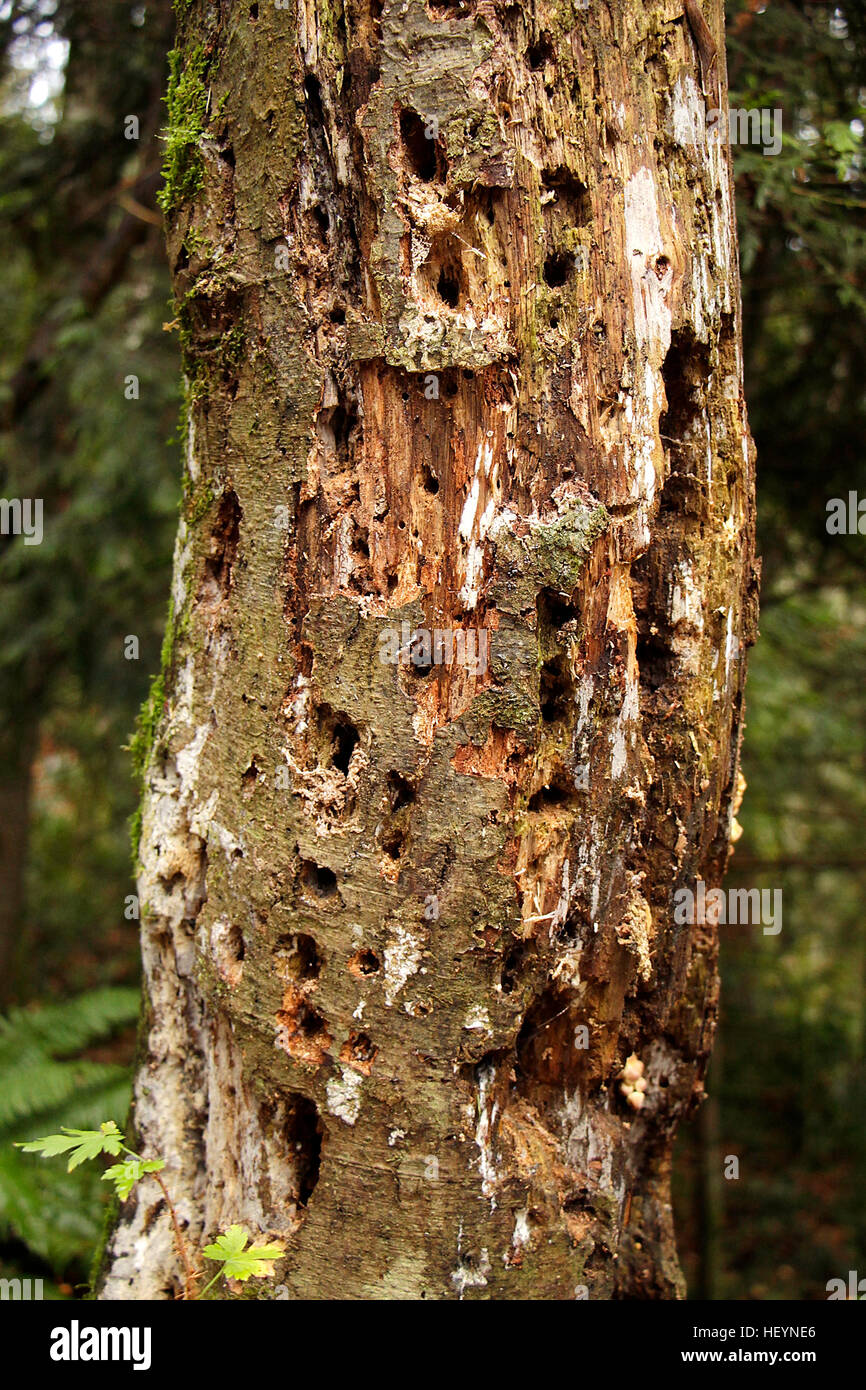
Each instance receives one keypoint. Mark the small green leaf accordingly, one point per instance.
(84, 1143)
(51, 1145)
(126, 1175)
(237, 1261)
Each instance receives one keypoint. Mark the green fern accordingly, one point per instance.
(47, 1086)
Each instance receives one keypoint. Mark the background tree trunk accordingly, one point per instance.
(15, 781)
(458, 294)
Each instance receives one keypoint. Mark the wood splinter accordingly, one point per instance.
(707, 51)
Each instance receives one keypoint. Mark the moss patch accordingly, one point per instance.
(149, 718)
(186, 100)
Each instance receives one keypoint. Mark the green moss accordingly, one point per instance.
(149, 719)
(135, 834)
(197, 244)
(560, 548)
(605, 1204)
(149, 716)
(551, 556)
(110, 1218)
(199, 503)
(140, 747)
(330, 20)
(230, 351)
(186, 100)
(465, 149)
(213, 294)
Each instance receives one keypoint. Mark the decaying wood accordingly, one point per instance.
(461, 314)
(706, 49)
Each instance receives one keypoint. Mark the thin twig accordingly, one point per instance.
(182, 1250)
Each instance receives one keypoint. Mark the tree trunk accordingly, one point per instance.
(15, 784)
(458, 294)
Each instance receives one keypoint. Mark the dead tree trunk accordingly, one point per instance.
(453, 692)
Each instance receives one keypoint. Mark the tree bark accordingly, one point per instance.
(458, 293)
(15, 788)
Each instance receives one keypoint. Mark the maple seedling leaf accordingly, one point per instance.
(238, 1262)
(84, 1143)
(126, 1175)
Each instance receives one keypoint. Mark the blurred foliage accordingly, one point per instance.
(788, 1079)
(47, 1083)
(82, 303)
(802, 225)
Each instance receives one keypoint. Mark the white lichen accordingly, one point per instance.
(403, 956)
(344, 1096)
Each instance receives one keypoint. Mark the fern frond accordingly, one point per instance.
(56, 1214)
(61, 1029)
(44, 1084)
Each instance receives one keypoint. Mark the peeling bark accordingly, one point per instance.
(460, 307)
